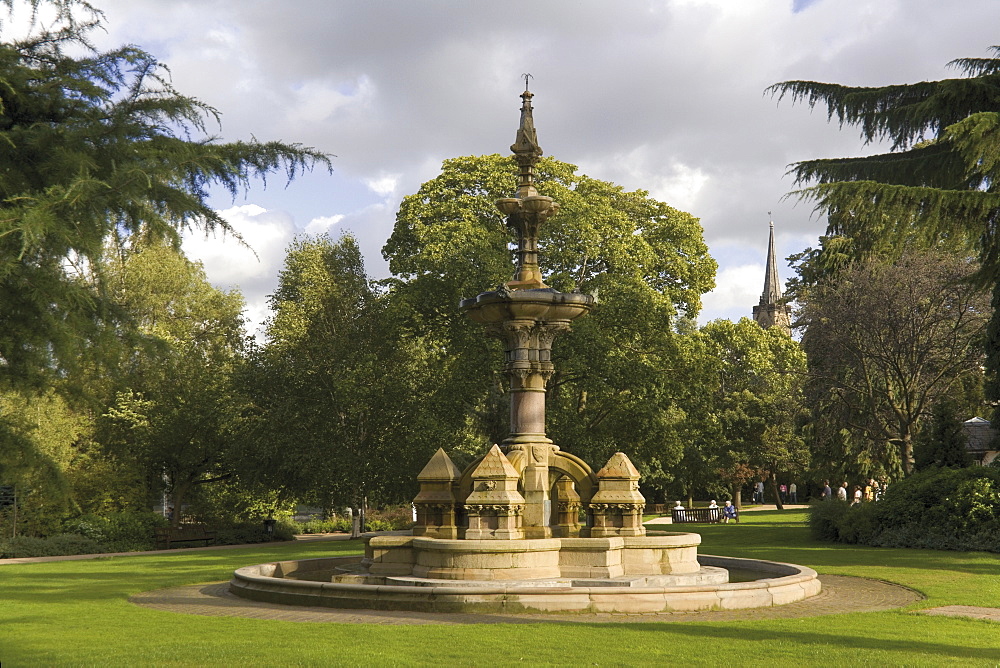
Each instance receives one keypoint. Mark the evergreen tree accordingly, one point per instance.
(938, 184)
(944, 444)
(96, 149)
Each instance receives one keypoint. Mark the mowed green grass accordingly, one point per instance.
(76, 613)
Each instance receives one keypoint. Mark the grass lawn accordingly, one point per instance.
(76, 613)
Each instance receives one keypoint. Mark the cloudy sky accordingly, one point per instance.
(666, 96)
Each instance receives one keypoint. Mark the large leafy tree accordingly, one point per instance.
(176, 411)
(616, 383)
(96, 147)
(342, 406)
(938, 184)
(885, 342)
(748, 407)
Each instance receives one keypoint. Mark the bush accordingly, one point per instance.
(253, 532)
(825, 518)
(339, 525)
(940, 508)
(54, 546)
(119, 532)
(392, 519)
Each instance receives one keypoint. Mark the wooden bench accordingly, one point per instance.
(185, 533)
(700, 515)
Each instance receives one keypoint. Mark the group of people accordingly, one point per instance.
(728, 510)
(872, 491)
(788, 493)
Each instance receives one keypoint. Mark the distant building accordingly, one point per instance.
(982, 443)
(772, 311)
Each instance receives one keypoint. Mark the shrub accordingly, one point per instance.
(119, 532)
(252, 532)
(392, 519)
(940, 508)
(395, 518)
(825, 518)
(339, 525)
(54, 546)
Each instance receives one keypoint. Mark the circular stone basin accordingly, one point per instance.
(307, 582)
(540, 304)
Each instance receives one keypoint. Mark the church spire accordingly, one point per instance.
(772, 311)
(772, 289)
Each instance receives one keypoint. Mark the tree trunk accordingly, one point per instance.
(906, 454)
(177, 496)
(737, 491)
(772, 480)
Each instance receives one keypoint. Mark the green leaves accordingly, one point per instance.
(97, 150)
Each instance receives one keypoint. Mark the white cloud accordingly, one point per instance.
(737, 290)
(384, 184)
(663, 96)
(323, 224)
(252, 266)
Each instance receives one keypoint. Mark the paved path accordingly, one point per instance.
(989, 614)
(840, 594)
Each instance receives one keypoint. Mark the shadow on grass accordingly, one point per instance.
(907, 646)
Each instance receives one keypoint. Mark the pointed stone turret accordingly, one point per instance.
(435, 504)
(568, 509)
(616, 508)
(494, 507)
(772, 311)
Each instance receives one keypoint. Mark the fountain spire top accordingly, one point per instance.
(525, 147)
(527, 210)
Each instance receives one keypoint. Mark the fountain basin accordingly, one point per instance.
(288, 582)
(543, 304)
(436, 558)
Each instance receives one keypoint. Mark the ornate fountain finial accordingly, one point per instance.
(525, 147)
(527, 210)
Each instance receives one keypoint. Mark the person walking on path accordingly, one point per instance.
(827, 492)
(842, 492)
(793, 493)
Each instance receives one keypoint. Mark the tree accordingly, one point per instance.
(96, 148)
(937, 184)
(943, 443)
(752, 407)
(615, 385)
(355, 416)
(884, 343)
(176, 411)
(43, 438)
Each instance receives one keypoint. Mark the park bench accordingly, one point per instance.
(185, 533)
(701, 515)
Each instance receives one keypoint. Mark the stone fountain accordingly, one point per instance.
(505, 533)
